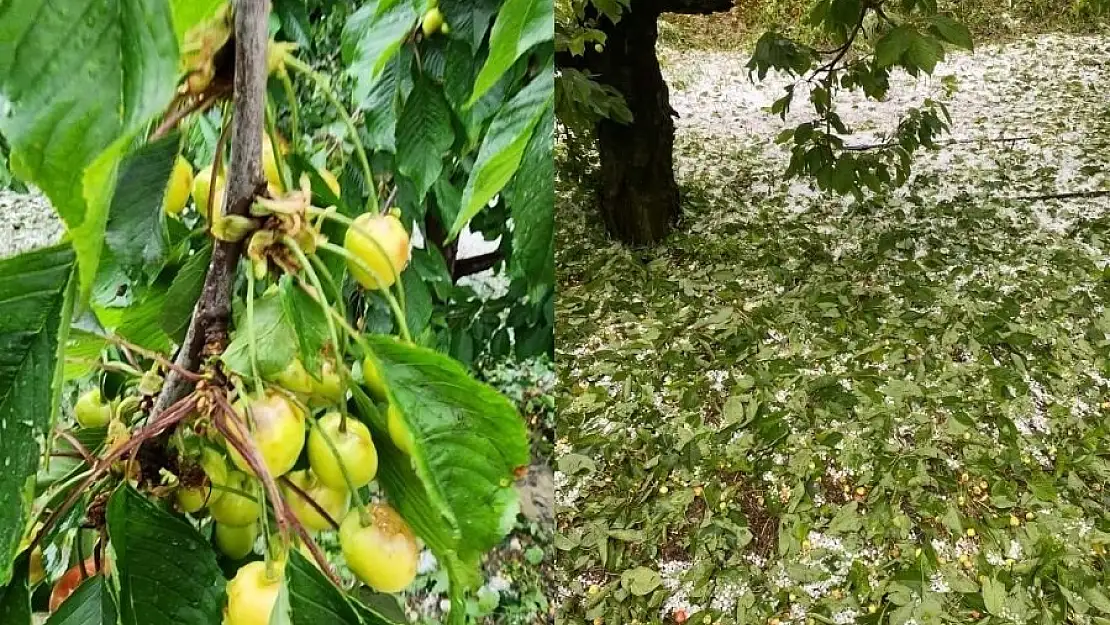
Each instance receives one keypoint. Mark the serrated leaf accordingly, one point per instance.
(314, 600)
(307, 320)
(273, 335)
(90, 604)
(166, 570)
(79, 77)
(134, 234)
(469, 439)
(952, 31)
(424, 135)
(469, 19)
(36, 292)
(184, 292)
(924, 52)
(82, 351)
(890, 48)
(142, 323)
(504, 144)
(418, 304)
(520, 25)
(373, 34)
(530, 195)
(382, 103)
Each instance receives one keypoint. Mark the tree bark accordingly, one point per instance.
(208, 329)
(638, 196)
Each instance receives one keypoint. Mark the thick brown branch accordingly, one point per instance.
(475, 264)
(207, 333)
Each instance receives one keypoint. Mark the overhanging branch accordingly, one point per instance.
(208, 329)
(695, 7)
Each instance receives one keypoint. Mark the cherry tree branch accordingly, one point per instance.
(208, 329)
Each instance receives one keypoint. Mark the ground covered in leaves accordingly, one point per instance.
(809, 409)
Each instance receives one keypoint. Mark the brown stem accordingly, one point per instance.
(282, 512)
(300, 492)
(170, 417)
(475, 264)
(208, 329)
(128, 347)
(77, 445)
(198, 106)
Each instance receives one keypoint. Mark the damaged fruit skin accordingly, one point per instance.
(383, 554)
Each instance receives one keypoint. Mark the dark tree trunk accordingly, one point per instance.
(638, 195)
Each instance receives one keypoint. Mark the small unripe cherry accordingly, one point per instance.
(91, 410)
(237, 509)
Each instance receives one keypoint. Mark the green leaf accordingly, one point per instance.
(469, 439)
(418, 302)
(166, 570)
(308, 322)
(36, 291)
(890, 48)
(382, 103)
(424, 135)
(952, 31)
(273, 335)
(373, 34)
(134, 234)
(924, 52)
(520, 25)
(994, 596)
(15, 598)
(530, 195)
(82, 351)
(641, 581)
(469, 19)
(90, 604)
(189, 13)
(184, 292)
(79, 77)
(314, 600)
(503, 147)
(142, 323)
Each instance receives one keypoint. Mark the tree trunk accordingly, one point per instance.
(638, 195)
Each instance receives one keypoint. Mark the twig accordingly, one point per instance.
(285, 517)
(170, 417)
(208, 329)
(890, 144)
(77, 445)
(312, 502)
(128, 346)
(199, 106)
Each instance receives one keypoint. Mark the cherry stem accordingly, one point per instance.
(284, 175)
(282, 513)
(169, 418)
(357, 496)
(323, 271)
(350, 223)
(78, 446)
(152, 355)
(199, 106)
(252, 345)
(333, 99)
(300, 492)
(217, 165)
(294, 107)
(306, 266)
(398, 313)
